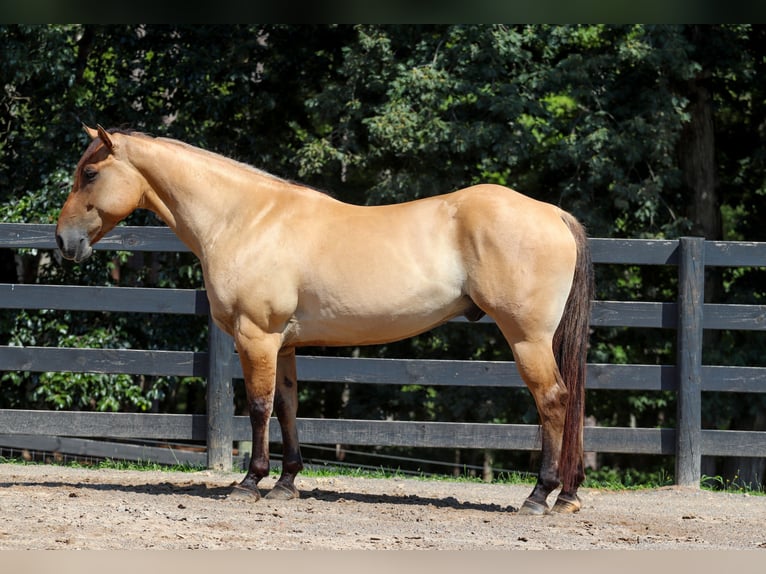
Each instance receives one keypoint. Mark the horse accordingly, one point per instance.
(287, 266)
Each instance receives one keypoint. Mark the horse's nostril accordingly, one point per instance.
(59, 241)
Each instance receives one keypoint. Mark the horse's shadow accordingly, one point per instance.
(404, 499)
(217, 492)
(159, 489)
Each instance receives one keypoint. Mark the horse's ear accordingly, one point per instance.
(104, 137)
(93, 134)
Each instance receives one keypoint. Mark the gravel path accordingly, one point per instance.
(53, 507)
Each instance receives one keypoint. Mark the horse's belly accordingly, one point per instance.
(371, 324)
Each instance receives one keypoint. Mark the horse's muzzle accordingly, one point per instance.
(74, 244)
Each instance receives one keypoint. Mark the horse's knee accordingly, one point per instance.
(260, 410)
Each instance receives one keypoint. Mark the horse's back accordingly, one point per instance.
(486, 233)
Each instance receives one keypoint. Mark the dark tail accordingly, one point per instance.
(570, 346)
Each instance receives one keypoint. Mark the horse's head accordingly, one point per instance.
(106, 189)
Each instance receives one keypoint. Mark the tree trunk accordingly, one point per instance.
(697, 160)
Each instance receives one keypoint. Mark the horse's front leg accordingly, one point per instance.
(258, 356)
(286, 407)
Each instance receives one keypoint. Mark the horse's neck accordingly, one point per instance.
(195, 193)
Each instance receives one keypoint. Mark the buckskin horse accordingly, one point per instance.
(287, 266)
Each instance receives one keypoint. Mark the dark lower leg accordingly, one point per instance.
(260, 411)
(537, 366)
(547, 482)
(548, 478)
(286, 409)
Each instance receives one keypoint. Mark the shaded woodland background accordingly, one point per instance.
(641, 131)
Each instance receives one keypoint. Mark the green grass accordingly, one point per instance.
(108, 464)
(735, 485)
(310, 471)
(628, 479)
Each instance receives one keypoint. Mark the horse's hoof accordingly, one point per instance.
(567, 505)
(242, 493)
(533, 508)
(282, 492)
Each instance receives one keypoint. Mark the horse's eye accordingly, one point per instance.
(90, 173)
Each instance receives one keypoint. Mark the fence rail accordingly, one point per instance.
(219, 427)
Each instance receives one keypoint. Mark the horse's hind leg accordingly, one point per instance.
(537, 366)
(286, 407)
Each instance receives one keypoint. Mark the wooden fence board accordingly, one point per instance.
(121, 238)
(125, 238)
(739, 253)
(634, 251)
(373, 371)
(103, 449)
(407, 433)
(734, 317)
(604, 250)
(160, 238)
(103, 425)
(734, 379)
(363, 433)
(429, 372)
(631, 377)
(116, 299)
(733, 443)
(27, 235)
(620, 314)
(406, 372)
(461, 435)
(351, 370)
(114, 361)
(634, 314)
(598, 439)
(629, 440)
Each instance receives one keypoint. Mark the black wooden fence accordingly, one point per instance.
(219, 428)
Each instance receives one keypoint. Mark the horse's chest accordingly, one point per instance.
(266, 299)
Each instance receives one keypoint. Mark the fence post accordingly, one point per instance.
(691, 290)
(220, 400)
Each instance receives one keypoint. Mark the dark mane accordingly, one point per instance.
(128, 132)
(133, 132)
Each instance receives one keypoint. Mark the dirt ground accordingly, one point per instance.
(55, 507)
